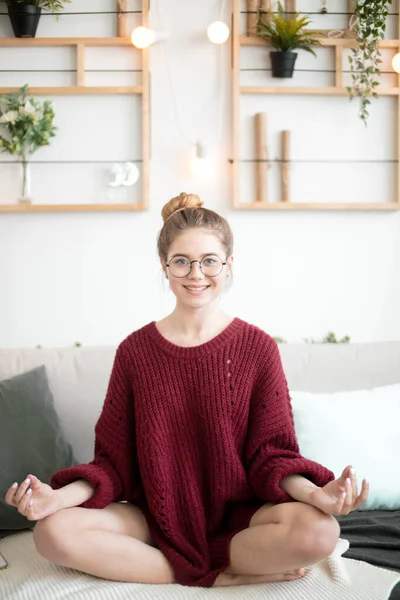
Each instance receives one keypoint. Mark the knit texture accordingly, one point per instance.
(198, 438)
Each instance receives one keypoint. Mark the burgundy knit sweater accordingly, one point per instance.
(199, 438)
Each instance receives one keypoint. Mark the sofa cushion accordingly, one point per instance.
(30, 438)
(360, 428)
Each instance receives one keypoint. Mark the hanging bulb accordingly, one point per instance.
(143, 37)
(396, 62)
(218, 32)
(198, 162)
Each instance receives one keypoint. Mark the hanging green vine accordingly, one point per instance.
(365, 59)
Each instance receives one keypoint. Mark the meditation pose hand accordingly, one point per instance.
(33, 498)
(340, 497)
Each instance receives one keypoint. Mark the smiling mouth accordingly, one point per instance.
(196, 289)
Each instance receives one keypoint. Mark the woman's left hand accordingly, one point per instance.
(340, 497)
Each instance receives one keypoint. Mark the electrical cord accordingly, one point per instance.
(220, 81)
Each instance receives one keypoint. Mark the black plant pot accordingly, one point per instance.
(24, 19)
(283, 63)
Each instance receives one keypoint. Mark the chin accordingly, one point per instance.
(196, 303)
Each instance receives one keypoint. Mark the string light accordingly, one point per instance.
(142, 37)
(218, 32)
(198, 162)
(396, 62)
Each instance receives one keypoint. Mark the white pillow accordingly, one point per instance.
(361, 428)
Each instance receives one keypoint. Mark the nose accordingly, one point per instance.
(196, 272)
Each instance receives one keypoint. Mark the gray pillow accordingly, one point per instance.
(31, 440)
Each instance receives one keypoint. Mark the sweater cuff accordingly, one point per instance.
(316, 473)
(106, 483)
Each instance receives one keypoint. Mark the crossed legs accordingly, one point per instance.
(115, 543)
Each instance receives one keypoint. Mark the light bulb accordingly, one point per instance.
(218, 32)
(396, 62)
(143, 37)
(199, 164)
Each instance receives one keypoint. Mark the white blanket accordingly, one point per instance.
(29, 576)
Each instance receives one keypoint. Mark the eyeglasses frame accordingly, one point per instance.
(198, 261)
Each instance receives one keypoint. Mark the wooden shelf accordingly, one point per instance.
(40, 42)
(310, 90)
(79, 45)
(78, 90)
(28, 208)
(246, 40)
(391, 206)
(334, 45)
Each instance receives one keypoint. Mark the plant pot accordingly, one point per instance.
(283, 63)
(24, 19)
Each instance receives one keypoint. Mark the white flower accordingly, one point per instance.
(9, 117)
(28, 110)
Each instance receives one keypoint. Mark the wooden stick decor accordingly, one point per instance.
(121, 16)
(80, 71)
(285, 166)
(351, 7)
(261, 156)
(290, 8)
(265, 8)
(252, 16)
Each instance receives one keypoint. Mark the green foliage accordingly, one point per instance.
(286, 35)
(54, 6)
(365, 59)
(26, 125)
(329, 338)
(279, 340)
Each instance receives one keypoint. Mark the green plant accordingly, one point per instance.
(286, 34)
(26, 125)
(279, 340)
(365, 58)
(329, 338)
(54, 6)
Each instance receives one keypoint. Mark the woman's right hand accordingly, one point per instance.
(34, 499)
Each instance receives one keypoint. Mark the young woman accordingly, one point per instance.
(197, 476)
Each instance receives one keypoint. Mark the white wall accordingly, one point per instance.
(95, 277)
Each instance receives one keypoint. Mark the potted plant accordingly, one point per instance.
(25, 126)
(366, 56)
(285, 34)
(24, 16)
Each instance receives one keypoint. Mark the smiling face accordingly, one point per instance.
(198, 288)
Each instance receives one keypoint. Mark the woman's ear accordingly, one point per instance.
(164, 267)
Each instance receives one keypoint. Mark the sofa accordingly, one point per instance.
(78, 379)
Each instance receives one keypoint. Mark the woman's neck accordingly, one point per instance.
(191, 327)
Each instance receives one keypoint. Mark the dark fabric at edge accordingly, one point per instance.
(374, 537)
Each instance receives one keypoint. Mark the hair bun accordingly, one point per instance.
(180, 203)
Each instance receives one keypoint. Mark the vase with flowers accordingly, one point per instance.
(25, 126)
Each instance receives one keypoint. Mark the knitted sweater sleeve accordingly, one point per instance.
(272, 451)
(112, 471)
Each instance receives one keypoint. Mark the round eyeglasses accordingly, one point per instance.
(210, 265)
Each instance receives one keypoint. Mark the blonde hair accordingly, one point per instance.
(186, 212)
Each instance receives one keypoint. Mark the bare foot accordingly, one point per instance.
(226, 579)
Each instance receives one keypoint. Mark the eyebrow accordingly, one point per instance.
(187, 256)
